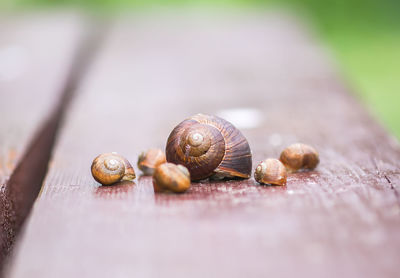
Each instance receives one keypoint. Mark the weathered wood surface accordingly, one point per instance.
(36, 52)
(340, 220)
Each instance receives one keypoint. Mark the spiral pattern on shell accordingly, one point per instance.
(209, 146)
(271, 171)
(109, 168)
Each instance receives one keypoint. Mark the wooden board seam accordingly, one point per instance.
(26, 181)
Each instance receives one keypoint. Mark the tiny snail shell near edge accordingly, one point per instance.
(110, 168)
(271, 171)
(209, 146)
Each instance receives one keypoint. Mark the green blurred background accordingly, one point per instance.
(364, 35)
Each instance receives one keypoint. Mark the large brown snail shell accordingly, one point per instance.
(110, 168)
(209, 146)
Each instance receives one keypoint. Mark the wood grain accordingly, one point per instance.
(340, 220)
(35, 56)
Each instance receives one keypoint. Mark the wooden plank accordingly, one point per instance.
(340, 220)
(35, 56)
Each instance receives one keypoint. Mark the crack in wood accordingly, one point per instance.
(21, 190)
(381, 174)
(396, 193)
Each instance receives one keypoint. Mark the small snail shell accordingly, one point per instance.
(171, 177)
(109, 168)
(149, 160)
(271, 171)
(299, 156)
(209, 146)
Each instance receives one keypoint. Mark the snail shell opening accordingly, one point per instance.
(271, 171)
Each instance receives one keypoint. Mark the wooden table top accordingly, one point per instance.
(264, 72)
